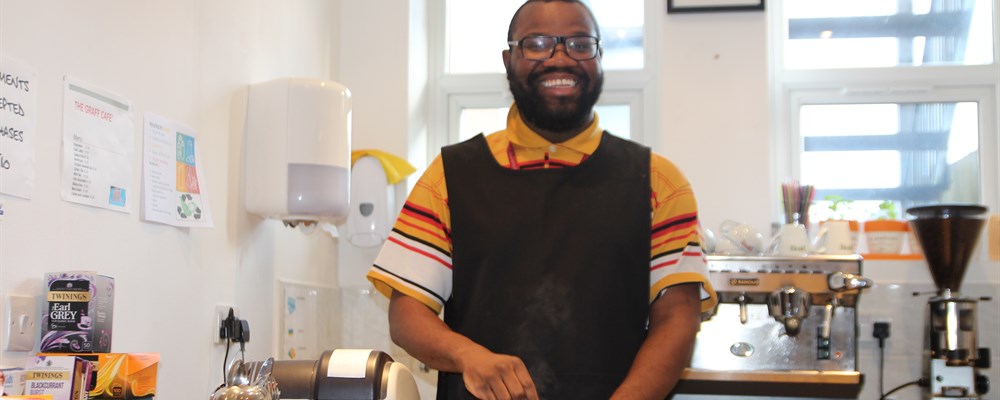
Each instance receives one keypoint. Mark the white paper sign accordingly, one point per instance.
(18, 116)
(348, 363)
(98, 147)
(173, 181)
(301, 324)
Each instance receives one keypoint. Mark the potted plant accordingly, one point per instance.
(886, 233)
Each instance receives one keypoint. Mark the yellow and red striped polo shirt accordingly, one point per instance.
(416, 258)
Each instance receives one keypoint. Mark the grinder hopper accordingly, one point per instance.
(948, 235)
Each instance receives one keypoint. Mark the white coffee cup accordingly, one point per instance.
(834, 237)
(791, 240)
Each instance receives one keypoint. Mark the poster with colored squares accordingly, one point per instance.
(173, 176)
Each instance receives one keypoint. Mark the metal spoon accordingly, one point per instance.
(264, 372)
(234, 372)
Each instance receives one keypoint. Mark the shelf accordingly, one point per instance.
(893, 256)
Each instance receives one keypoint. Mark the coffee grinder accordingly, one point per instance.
(952, 358)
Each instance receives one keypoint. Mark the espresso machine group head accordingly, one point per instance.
(952, 358)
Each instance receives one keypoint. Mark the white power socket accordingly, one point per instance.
(221, 313)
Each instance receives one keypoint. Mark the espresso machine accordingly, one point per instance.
(784, 326)
(952, 358)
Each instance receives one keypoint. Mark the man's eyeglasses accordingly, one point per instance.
(541, 48)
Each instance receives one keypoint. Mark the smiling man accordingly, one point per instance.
(566, 260)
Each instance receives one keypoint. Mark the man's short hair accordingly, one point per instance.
(510, 29)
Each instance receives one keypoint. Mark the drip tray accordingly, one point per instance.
(825, 384)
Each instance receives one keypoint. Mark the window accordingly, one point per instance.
(887, 101)
(471, 93)
(477, 33)
(887, 33)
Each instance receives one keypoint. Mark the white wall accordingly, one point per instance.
(191, 61)
(714, 117)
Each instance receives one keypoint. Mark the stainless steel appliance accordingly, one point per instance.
(952, 358)
(784, 326)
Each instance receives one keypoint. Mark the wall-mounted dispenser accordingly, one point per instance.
(371, 216)
(298, 150)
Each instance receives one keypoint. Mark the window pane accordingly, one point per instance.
(907, 153)
(474, 121)
(887, 33)
(621, 32)
(476, 33)
(615, 118)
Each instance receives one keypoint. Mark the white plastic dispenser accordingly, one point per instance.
(298, 150)
(370, 218)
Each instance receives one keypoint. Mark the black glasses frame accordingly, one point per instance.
(558, 40)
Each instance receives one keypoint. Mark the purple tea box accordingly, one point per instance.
(63, 377)
(78, 313)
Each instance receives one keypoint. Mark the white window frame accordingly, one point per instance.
(791, 89)
(451, 93)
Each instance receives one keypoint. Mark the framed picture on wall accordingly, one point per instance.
(697, 6)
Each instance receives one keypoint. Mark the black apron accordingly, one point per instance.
(551, 265)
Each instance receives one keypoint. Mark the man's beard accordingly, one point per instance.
(536, 111)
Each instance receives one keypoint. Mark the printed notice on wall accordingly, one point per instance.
(98, 147)
(173, 183)
(18, 115)
(307, 325)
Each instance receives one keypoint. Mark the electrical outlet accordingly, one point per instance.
(221, 313)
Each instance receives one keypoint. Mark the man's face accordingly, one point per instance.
(557, 94)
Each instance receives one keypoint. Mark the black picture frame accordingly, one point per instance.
(701, 6)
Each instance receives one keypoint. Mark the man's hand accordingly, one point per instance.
(487, 375)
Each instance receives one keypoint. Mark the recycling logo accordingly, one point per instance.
(188, 208)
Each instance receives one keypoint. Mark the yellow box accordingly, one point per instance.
(122, 375)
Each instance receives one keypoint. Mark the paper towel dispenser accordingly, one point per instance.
(298, 150)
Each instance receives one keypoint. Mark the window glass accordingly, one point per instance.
(887, 33)
(474, 121)
(477, 34)
(904, 153)
(615, 118)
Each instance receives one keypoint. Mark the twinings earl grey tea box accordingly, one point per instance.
(78, 314)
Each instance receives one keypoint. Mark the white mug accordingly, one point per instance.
(834, 237)
(791, 240)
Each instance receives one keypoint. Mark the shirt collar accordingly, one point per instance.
(520, 134)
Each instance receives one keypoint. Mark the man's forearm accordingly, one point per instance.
(673, 323)
(420, 332)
